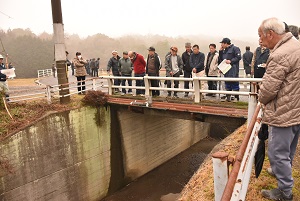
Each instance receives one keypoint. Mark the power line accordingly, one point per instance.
(6, 15)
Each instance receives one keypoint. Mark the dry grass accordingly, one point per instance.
(201, 187)
(21, 82)
(26, 113)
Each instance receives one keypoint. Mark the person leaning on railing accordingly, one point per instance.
(280, 93)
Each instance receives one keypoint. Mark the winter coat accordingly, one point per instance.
(113, 64)
(260, 58)
(233, 54)
(80, 67)
(2, 76)
(125, 66)
(197, 61)
(186, 61)
(168, 65)
(139, 64)
(213, 67)
(280, 88)
(157, 64)
(247, 59)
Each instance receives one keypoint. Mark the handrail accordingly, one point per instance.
(196, 83)
(227, 194)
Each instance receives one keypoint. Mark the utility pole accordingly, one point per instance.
(60, 51)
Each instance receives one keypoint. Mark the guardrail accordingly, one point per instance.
(234, 187)
(44, 73)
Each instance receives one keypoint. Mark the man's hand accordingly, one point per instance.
(171, 73)
(194, 70)
(228, 61)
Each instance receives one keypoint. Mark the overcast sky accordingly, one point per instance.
(229, 18)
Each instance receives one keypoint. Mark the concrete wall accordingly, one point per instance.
(65, 156)
(88, 153)
(149, 141)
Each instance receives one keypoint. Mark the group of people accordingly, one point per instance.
(91, 67)
(191, 61)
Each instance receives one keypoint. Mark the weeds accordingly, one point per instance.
(95, 99)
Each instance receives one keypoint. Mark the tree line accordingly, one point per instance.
(29, 52)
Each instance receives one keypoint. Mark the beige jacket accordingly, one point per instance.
(213, 68)
(80, 67)
(280, 89)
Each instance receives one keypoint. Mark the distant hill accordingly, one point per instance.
(29, 52)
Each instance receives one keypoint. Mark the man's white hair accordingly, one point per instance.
(273, 24)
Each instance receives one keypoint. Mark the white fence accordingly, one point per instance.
(44, 73)
(107, 82)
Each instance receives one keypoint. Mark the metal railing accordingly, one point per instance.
(44, 73)
(234, 187)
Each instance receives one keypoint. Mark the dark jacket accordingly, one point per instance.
(113, 64)
(125, 66)
(157, 64)
(247, 58)
(197, 61)
(260, 58)
(2, 76)
(92, 64)
(186, 61)
(233, 54)
(97, 63)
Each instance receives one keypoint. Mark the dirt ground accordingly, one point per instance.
(201, 187)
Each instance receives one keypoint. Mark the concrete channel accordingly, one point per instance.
(110, 153)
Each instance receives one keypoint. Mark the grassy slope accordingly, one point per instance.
(201, 188)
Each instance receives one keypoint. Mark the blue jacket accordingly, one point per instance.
(197, 61)
(233, 54)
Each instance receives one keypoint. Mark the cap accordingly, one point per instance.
(114, 51)
(188, 44)
(151, 49)
(125, 52)
(1, 57)
(78, 53)
(175, 49)
(226, 40)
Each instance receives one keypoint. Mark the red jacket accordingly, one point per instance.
(139, 64)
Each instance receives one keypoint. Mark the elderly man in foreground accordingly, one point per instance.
(280, 93)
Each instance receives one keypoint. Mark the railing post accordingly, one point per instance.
(252, 102)
(94, 84)
(220, 169)
(48, 94)
(147, 85)
(196, 84)
(110, 84)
